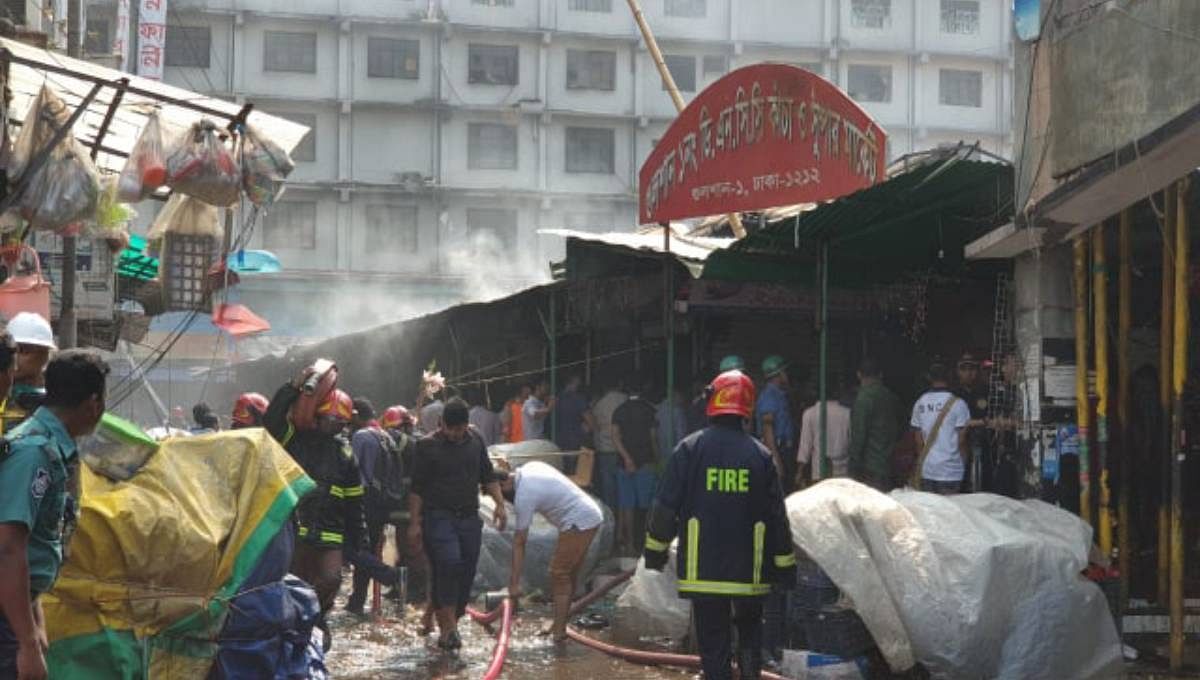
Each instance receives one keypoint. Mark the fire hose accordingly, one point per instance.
(627, 654)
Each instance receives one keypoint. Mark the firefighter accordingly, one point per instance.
(330, 518)
(722, 494)
(248, 410)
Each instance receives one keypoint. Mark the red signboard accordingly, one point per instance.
(763, 136)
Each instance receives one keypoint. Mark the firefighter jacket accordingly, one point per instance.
(332, 515)
(722, 495)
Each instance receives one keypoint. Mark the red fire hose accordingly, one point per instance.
(500, 652)
(647, 658)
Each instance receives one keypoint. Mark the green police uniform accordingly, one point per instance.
(33, 490)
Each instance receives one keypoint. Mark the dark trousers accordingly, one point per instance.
(774, 621)
(368, 566)
(8, 650)
(604, 477)
(715, 618)
(452, 542)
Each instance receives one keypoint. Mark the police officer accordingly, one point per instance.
(722, 492)
(331, 519)
(35, 342)
(37, 459)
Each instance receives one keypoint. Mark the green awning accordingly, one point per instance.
(917, 220)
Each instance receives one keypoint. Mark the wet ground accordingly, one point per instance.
(393, 649)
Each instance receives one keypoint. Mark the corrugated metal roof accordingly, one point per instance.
(71, 79)
(694, 248)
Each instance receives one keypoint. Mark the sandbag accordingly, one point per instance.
(495, 555)
(970, 586)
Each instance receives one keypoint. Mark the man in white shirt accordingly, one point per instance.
(837, 441)
(941, 462)
(535, 410)
(605, 478)
(537, 487)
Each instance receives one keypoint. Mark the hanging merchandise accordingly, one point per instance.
(111, 214)
(25, 289)
(65, 189)
(185, 215)
(264, 167)
(145, 170)
(200, 165)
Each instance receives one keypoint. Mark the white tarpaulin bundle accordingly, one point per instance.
(971, 586)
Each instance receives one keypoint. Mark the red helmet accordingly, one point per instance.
(396, 417)
(248, 410)
(732, 393)
(338, 405)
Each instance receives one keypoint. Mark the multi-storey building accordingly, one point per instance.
(445, 133)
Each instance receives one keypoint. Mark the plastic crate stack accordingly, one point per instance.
(821, 620)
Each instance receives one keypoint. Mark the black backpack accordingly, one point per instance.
(388, 490)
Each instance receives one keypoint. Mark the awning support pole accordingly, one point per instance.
(823, 365)
(1166, 332)
(1178, 447)
(1124, 322)
(1082, 407)
(1100, 302)
(669, 329)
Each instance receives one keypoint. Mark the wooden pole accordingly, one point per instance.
(1100, 305)
(1166, 332)
(1082, 407)
(1124, 322)
(735, 220)
(1178, 446)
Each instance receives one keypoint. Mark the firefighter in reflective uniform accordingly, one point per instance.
(248, 410)
(330, 518)
(721, 494)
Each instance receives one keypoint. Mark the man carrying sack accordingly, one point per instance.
(939, 421)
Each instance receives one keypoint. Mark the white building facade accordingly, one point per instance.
(446, 128)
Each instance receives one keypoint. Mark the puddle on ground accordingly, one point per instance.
(393, 649)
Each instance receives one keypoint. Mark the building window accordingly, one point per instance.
(96, 37)
(492, 64)
(715, 65)
(393, 58)
(306, 150)
(291, 225)
(590, 6)
(691, 9)
(591, 150)
(291, 52)
(871, 13)
(960, 16)
(591, 70)
(960, 88)
(497, 223)
(869, 82)
(391, 228)
(493, 3)
(188, 46)
(683, 70)
(491, 146)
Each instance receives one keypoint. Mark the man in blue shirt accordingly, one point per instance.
(773, 413)
(36, 460)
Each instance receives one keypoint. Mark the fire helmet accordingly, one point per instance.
(731, 393)
(338, 405)
(396, 417)
(249, 409)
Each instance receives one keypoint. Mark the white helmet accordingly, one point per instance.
(28, 328)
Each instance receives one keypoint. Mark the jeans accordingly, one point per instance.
(604, 480)
(940, 488)
(714, 617)
(635, 490)
(452, 542)
(368, 566)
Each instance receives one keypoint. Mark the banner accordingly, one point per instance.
(763, 136)
(152, 38)
(120, 43)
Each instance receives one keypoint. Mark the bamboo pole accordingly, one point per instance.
(1165, 352)
(1178, 380)
(735, 220)
(1124, 322)
(1082, 407)
(1100, 305)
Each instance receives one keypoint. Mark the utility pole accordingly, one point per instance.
(66, 314)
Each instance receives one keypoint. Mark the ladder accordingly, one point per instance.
(999, 397)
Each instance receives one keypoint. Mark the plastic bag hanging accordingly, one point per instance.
(111, 214)
(188, 216)
(145, 170)
(264, 167)
(65, 189)
(200, 165)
